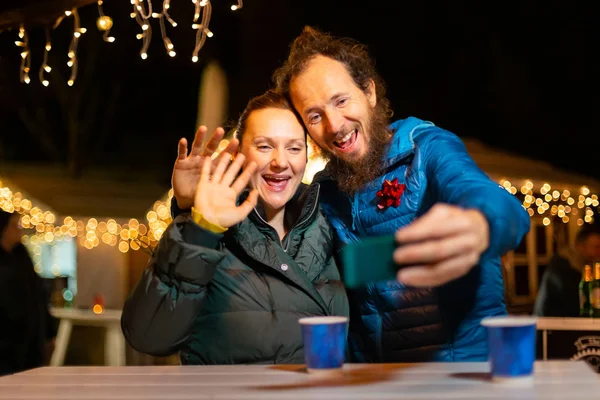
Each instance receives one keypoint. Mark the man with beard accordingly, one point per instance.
(414, 180)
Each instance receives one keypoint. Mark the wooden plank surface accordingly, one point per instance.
(568, 324)
(553, 379)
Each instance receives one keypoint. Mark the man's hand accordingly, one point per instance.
(186, 172)
(441, 245)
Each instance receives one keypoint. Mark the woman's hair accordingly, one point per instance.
(269, 99)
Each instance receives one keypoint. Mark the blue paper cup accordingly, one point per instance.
(324, 344)
(511, 342)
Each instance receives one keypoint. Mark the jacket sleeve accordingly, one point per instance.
(175, 210)
(159, 314)
(457, 180)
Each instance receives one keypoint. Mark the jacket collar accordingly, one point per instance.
(299, 210)
(402, 144)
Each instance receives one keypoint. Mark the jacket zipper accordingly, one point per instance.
(356, 224)
(379, 338)
(309, 216)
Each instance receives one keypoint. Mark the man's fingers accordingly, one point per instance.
(233, 170)
(213, 142)
(435, 250)
(244, 178)
(437, 274)
(440, 221)
(182, 149)
(198, 141)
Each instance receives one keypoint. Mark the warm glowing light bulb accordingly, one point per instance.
(45, 83)
(47, 68)
(70, 82)
(172, 53)
(234, 7)
(195, 59)
(110, 39)
(144, 56)
(104, 23)
(68, 13)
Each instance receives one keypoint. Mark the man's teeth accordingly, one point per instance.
(346, 138)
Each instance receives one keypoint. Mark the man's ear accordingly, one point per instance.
(371, 93)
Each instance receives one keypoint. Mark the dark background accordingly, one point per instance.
(522, 76)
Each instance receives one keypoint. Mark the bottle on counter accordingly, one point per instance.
(595, 292)
(585, 308)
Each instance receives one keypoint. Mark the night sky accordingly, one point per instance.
(522, 76)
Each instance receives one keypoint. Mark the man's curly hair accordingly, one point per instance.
(312, 42)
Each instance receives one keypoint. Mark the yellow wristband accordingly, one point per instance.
(199, 219)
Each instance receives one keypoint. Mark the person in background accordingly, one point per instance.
(27, 330)
(558, 295)
(229, 281)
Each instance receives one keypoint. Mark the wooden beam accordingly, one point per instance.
(41, 13)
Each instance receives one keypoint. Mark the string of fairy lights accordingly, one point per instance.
(44, 227)
(552, 204)
(143, 12)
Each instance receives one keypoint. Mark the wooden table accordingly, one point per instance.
(553, 379)
(114, 342)
(546, 324)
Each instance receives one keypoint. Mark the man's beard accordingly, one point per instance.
(352, 175)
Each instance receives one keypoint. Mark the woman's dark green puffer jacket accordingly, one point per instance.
(235, 298)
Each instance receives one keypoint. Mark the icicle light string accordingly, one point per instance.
(142, 12)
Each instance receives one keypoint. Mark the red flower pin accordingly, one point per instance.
(390, 193)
